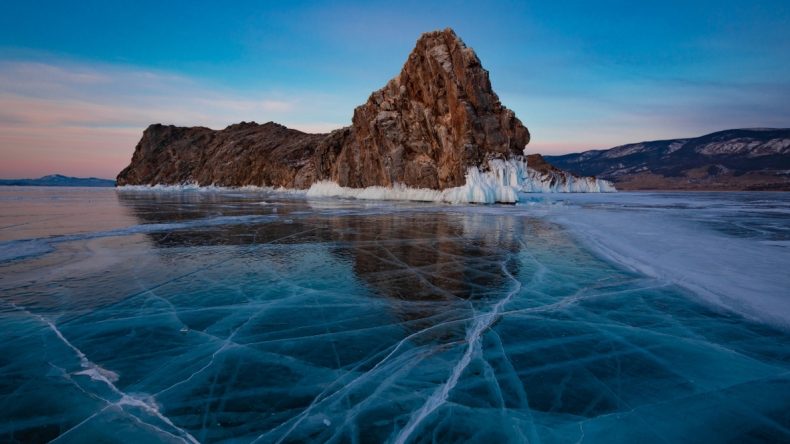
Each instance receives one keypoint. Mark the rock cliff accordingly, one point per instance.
(423, 129)
(241, 154)
(427, 125)
(428, 128)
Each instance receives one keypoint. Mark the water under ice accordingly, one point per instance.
(257, 317)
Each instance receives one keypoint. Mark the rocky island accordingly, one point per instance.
(438, 125)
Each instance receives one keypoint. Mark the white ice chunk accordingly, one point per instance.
(501, 182)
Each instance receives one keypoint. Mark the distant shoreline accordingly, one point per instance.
(55, 186)
(59, 180)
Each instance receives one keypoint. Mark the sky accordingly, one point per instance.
(80, 81)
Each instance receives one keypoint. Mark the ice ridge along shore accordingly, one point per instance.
(501, 182)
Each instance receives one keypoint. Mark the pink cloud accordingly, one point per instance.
(85, 120)
(78, 151)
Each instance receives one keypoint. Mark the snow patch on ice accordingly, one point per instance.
(91, 369)
(99, 374)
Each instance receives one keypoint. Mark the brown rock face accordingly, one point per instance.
(241, 154)
(438, 117)
(429, 124)
(539, 164)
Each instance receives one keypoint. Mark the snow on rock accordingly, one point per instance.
(745, 145)
(624, 150)
(676, 145)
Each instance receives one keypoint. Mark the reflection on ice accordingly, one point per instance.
(357, 321)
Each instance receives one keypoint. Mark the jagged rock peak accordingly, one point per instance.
(428, 124)
(423, 129)
(253, 124)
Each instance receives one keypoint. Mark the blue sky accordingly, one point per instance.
(79, 81)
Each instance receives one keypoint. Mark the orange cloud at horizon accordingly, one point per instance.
(85, 120)
(73, 151)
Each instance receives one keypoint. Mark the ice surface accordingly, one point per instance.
(19, 249)
(198, 316)
(669, 237)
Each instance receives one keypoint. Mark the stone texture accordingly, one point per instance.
(241, 154)
(429, 124)
(539, 164)
(423, 129)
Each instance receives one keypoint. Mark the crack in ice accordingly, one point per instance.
(439, 397)
(108, 378)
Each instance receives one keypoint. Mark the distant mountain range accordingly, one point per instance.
(737, 159)
(57, 180)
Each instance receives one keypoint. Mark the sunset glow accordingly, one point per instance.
(79, 85)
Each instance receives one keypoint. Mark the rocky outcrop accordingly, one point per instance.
(438, 117)
(241, 154)
(427, 125)
(738, 159)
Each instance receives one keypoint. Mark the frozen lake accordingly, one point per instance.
(251, 317)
